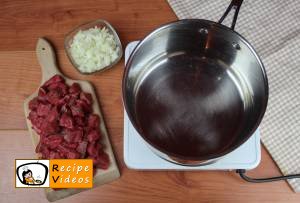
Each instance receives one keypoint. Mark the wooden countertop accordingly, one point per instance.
(21, 23)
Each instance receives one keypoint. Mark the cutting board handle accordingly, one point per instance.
(46, 58)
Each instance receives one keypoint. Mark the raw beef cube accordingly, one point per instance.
(53, 115)
(53, 141)
(59, 86)
(54, 155)
(71, 145)
(42, 92)
(81, 148)
(33, 104)
(84, 106)
(72, 100)
(54, 79)
(33, 116)
(74, 135)
(62, 150)
(87, 97)
(45, 152)
(49, 128)
(43, 109)
(61, 154)
(68, 152)
(102, 161)
(36, 129)
(73, 155)
(93, 149)
(54, 96)
(64, 100)
(66, 121)
(77, 110)
(78, 136)
(75, 88)
(65, 109)
(79, 121)
(93, 135)
(93, 121)
(35, 121)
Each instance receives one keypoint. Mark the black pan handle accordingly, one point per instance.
(236, 5)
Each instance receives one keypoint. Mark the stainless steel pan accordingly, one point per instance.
(195, 90)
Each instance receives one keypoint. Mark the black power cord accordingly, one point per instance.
(242, 173)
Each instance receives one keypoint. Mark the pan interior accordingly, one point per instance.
(190, 106)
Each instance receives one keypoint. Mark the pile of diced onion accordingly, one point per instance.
(93, 49)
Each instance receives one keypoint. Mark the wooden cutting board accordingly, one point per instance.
(46, 58)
